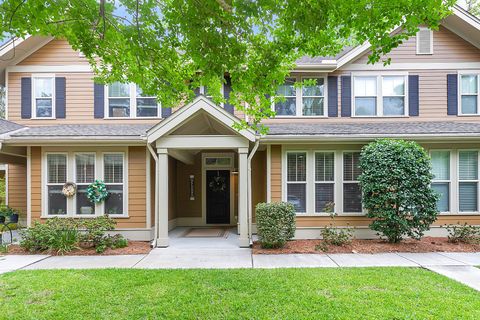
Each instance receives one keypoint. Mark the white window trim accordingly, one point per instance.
(299, 97)
(417, 41)
(450, 181)
(307, 176)
(97, 210)
(99, 156)
(34, 97)
(133, 104)
(361, 213)
(124, 183)
(202, 90)
(459, 92)
(379, 97)
(459, 181)
(45, 184)
(315, 181)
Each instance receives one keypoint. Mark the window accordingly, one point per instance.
(127, 100)
(113, 177)
(297, 180)
(43, 97)
(84, 175)
(56, 178)
(324, 179)
(379, 95)
(289, 106)
(469, 94)
(424, 41)
(352, 195)
(468, 181)
(313, 98)
(441, 178)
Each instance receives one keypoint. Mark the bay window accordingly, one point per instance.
(56, 178)
(113, 178)
(43, 96)
(84, 176)
(379, 95)
(469, 94)
(468, 181)
(127, 100)
(352, 194)
(441, 178)
(324, 180)
(297, 180)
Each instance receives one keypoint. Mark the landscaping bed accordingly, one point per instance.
(426, 244)
(134, 247)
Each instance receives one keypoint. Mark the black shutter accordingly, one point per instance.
(227, 89)
(26, 100)
(452, 94)
(98, 101)
(60, 97)
(197, 92)
(346, 96)
(166, 112)
(332, 96)
(413, 96)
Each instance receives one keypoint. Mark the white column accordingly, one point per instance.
(162, 176)
(242, 197)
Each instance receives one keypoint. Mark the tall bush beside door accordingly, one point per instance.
(275, 223)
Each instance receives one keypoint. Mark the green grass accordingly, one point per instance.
(355, 293)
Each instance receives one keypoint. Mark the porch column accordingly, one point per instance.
(242, 197)
(162, 176)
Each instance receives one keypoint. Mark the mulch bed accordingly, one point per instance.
(426, 244)
(134, 247)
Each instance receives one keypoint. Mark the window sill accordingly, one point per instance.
(459, 213)
(132, 118)
(43, 118)
(79, 216)
(468, 115)
(300, 117)
(327, 215)
(382, 117)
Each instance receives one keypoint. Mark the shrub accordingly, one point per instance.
(396, 191)
(275, 223)
(463, 233)
(332, 235)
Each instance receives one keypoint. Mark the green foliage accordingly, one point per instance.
(97, 192)
(3, 189)
(396, 191)
(62, 235)
(162, 45)
(331, 234)
(463, 233)
(275, 223)
(6, 211)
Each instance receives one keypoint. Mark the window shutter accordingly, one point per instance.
(99, 101)
(452, 94)
(60, 97)
(346, 96)
(227, 89)
(424, 41)
(26, 100)
(166, 112)
(413, 96)
(197, 92)
(332, 96)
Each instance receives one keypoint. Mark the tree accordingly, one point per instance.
(396, 192)
(170, 47)
(472, 6)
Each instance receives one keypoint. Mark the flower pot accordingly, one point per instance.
(2, 219)
(13, 218)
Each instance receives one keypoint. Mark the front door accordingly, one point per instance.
(218, 196)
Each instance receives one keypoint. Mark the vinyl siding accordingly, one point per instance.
(56, 52)
(17, 188)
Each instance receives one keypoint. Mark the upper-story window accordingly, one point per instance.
(43, 96)
(127, 101)
(469, 94)
(306, 100)
(379, 95)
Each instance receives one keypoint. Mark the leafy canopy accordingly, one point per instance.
(169, 47)
(396, 191)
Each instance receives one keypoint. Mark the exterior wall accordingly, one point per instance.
(187, 208)
(172, 186)
(259, 179)
(56, 52)
(276, 173)
(17, 188)
(136, 188)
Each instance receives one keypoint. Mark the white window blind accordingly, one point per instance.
(352, 194)
(324, 179)
(297, 180)
(468, 181)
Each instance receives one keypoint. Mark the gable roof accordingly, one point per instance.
(200, 103)
(8, 126)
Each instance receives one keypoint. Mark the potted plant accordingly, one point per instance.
(6, 211)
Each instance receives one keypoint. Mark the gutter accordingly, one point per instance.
(249, 192)
(364, 137)
(154, 155)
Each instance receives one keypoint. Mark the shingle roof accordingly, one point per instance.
(86, 130)
(305, 60)
(7, 126)
(377, 128)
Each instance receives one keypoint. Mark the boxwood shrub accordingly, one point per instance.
(275, 223)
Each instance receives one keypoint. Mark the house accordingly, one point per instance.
(167, 169)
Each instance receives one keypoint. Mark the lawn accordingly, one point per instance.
(355, 293)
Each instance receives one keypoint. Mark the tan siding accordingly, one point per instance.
(56, 52)
(259, 179)
(185, 206)
(447, 47)
(152, 188)
(17, 188)
(36, 182)
(172, 183)
(276, 173)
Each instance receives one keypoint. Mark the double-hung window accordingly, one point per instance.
(56, 178)
(324, 180)
(84, 176)
(352, 194)
(313, 98)
(382, 95)
(113, 172)
(128, 101)
(307, 100)
(43, 101)
(469, 94)
(288, 106)
(297, 180)
(468, 181)
(441, 178)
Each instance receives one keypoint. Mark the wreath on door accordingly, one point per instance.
(218, 184)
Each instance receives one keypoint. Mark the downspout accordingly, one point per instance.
(155, 156)
(249, 192)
